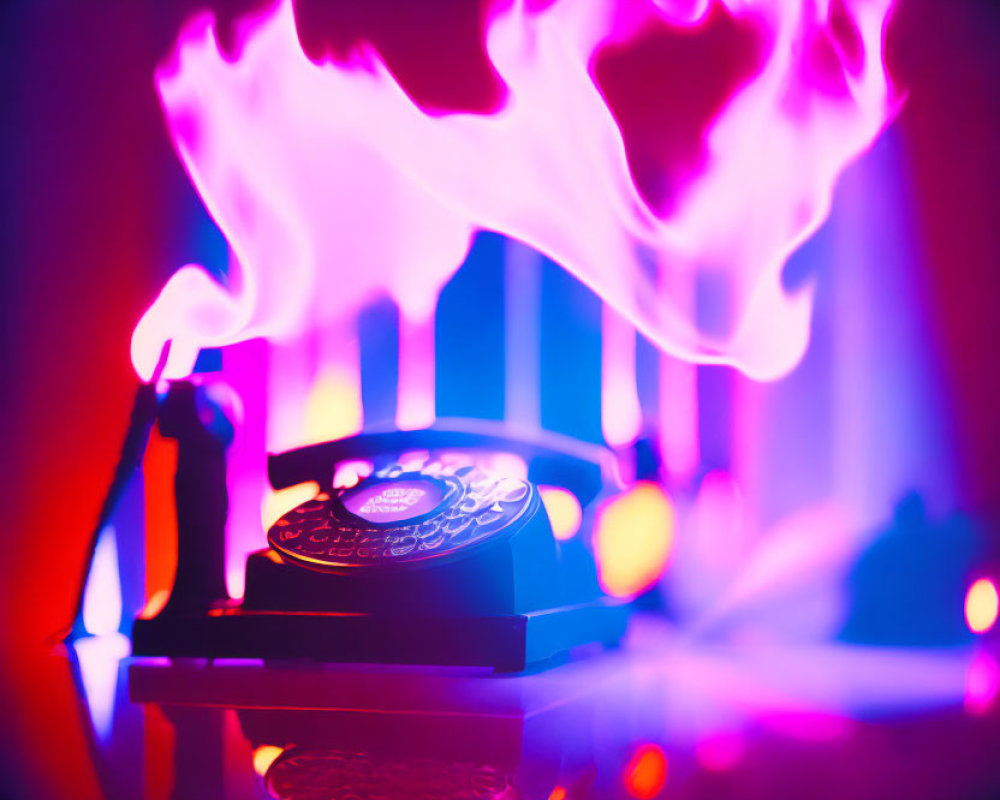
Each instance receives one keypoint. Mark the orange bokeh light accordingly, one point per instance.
(981, 606)
(633, 539)
(264, 756)
(563, 509)
(155, 604)
(333, 408)
(351, 473)
(277, 502)
(646, 772)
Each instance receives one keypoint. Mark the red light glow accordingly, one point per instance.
(646, 772)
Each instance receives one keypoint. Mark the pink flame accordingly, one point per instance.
(332, 186)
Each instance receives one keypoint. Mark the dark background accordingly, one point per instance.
(97, 212)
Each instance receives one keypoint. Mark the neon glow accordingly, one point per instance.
(718, 529)
(563, 509)
(719, 752)
(679, 417)
(981, 605)
(320, 172)
(633, 538)
(982, 683)
(102, 596)
(280, 501)
(333, 188)
(98, 658)
(678, 402)
(621, 417)
(646, 772)
(415, 402)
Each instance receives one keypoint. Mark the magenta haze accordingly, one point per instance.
(328, 175)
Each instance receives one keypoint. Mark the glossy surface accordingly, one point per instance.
(664, 716)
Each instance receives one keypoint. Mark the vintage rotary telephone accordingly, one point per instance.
(433, 561)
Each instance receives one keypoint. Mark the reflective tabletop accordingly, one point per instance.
(664, 715)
